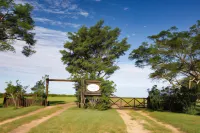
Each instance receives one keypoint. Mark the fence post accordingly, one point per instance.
(120, 103)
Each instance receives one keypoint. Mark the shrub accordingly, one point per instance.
(173, 99)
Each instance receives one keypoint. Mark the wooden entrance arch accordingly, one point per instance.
(83, 84)
(57, 80)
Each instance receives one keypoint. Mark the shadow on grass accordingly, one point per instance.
(198, 109)
(56, 102)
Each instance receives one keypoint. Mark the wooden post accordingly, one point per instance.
(120, 103)
(82, 92)
(134, 103)
(47, 90)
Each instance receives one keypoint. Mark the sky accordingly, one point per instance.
(137, 20)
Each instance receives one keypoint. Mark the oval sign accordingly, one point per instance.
(93, 87)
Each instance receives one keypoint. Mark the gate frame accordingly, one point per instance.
(83, 84)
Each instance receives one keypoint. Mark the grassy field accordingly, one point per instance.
(185, 122)
(60, 100)
(12, 125)
(77, 120)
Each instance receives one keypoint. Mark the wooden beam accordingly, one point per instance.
(62, 80)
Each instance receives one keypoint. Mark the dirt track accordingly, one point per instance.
(29, 114)
(27, 127)
(134, 126)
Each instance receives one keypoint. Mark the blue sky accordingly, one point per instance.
(137, 19)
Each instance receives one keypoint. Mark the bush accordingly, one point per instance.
(99, 103)
(173, 99)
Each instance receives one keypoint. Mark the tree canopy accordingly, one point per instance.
(173, 55)
(16, 23)
(93, 51)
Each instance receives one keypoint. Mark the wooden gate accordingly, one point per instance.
(128, 102)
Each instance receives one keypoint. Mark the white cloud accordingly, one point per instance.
(53, 22)
(83, 13)
(48, 37)
(47, 60)
(126, 8)
(97, 0)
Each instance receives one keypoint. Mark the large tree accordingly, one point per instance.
(93, 51)
(16, 23)
(173, 55)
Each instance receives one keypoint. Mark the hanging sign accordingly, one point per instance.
(92, 87)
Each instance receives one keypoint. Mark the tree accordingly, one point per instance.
(93, 51)
(172, 55)
(39, 87)
(16, 24)
(15, 91)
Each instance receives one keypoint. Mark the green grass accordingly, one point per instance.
(60, 100)
(10, 112)
(77, 120)
(149, 124)
(186, 123)
(12, 125)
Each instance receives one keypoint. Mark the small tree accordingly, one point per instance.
(16, 23)
(15, 91)
(39, 88)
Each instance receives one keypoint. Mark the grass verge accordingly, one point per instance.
(185, 122)
(12, 125)
(75, 120)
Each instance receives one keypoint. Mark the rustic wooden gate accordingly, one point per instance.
(128, 102)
